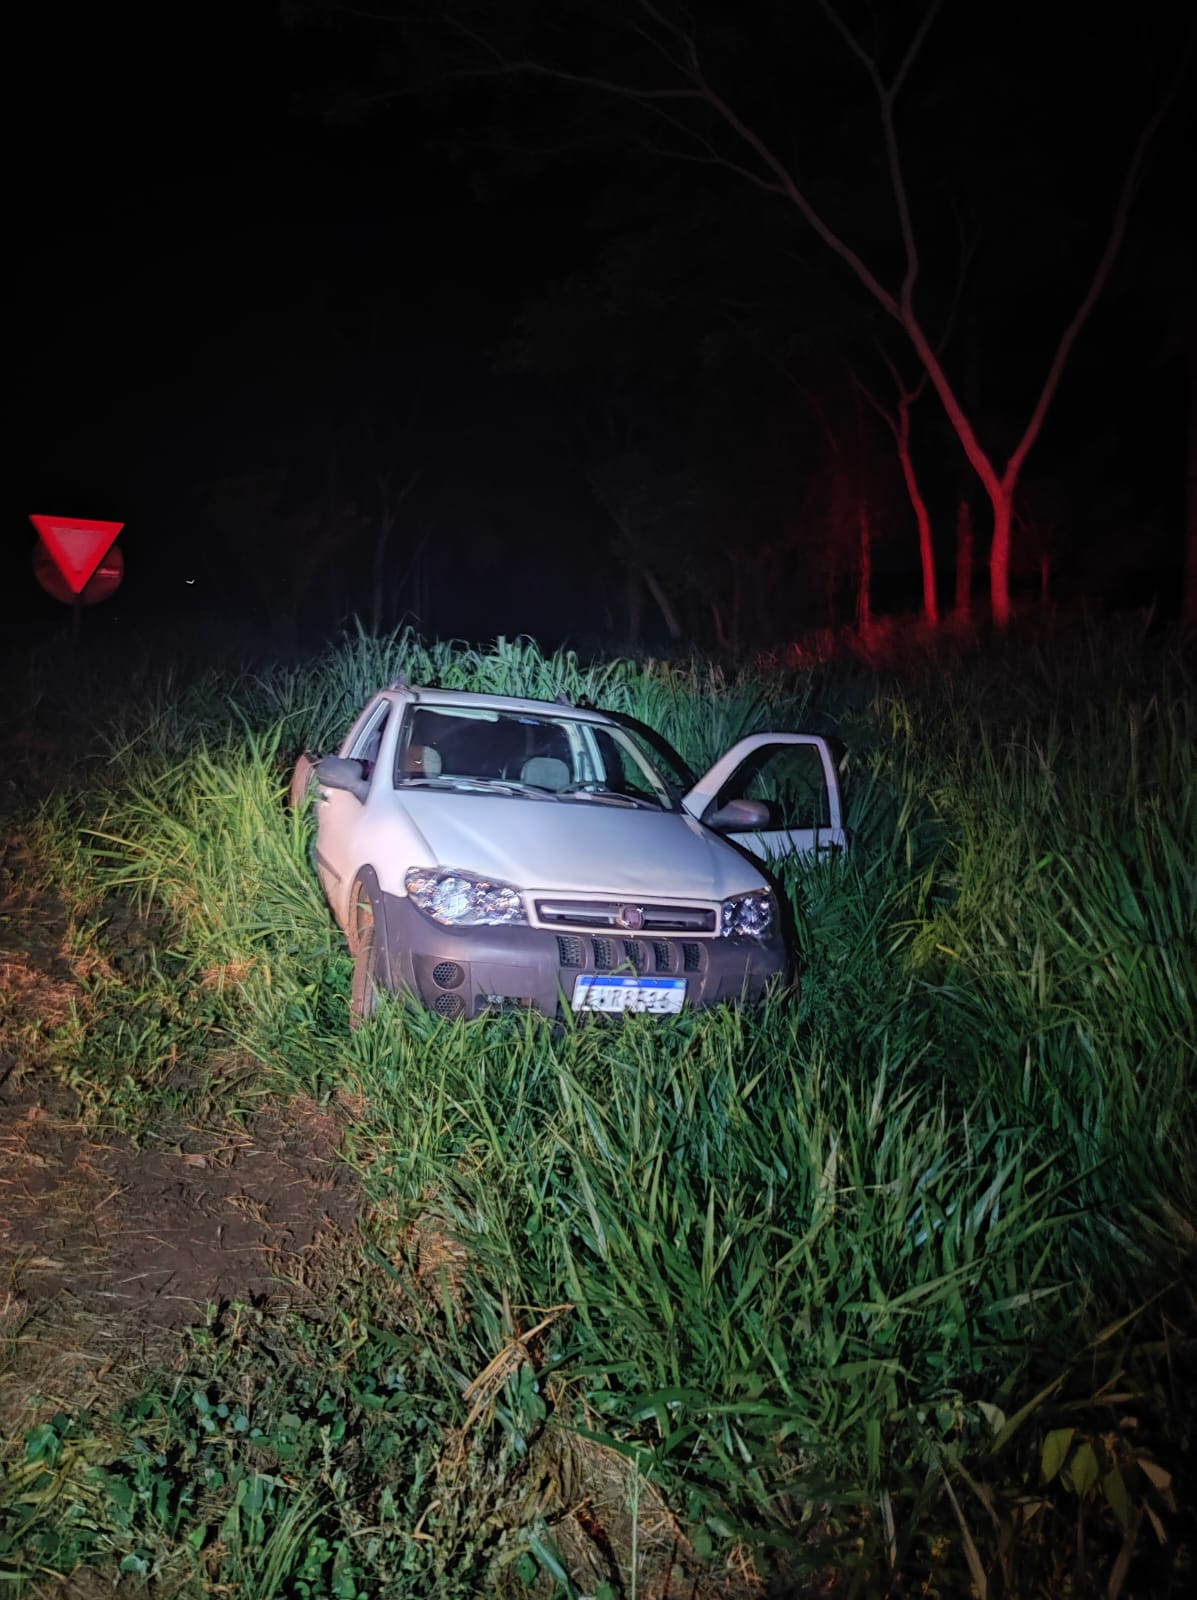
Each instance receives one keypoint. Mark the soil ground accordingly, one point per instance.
(105, 1243)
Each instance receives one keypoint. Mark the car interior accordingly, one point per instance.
(530, 750)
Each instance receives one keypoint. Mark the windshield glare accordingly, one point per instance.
(552, 753)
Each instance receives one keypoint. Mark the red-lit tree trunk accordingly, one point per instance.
(999, 556)
(922, 518)
(1001, 486)
(899, 427)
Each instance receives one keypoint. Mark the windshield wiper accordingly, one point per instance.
(464, 781)
(598, 791)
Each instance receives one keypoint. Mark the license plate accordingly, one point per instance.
(661, 996)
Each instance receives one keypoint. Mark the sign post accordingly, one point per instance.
(69, 561)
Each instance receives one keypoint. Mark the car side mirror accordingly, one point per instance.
(739, 816)
(340, 772)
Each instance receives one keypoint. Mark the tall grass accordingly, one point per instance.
(1066, 948)
(800, 1266)
(769, 1255)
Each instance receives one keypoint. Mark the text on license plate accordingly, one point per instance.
(659, 995)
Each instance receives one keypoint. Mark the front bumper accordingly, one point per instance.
(462, 972)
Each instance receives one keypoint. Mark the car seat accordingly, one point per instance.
(545, 772)
(420, 761)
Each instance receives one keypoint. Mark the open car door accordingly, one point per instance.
(794, 775)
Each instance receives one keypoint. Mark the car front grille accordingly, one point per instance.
(632, 916)
(579, 953)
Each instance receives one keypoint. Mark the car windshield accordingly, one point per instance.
(538, 753)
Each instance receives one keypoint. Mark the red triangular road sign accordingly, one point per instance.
(78, 545)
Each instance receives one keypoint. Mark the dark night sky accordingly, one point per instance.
(200, 253)
(209, 269)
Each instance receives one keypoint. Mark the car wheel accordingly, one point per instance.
(363, 999)
(301, 781)
(361, 915)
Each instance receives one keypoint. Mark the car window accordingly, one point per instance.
(790, 779)
(663, 757)
(461, 743)
(623, 769)
(367, 740)
(546, 752)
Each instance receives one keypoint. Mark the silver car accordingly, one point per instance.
(484, 852)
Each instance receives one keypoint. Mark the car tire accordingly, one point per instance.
(361, 915)
(363, 999)
(301, 781)
(367, 946)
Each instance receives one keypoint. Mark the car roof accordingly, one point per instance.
(498, 702)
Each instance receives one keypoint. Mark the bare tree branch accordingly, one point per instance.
(797, 197)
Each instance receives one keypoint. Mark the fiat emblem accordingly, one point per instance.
(630, 917)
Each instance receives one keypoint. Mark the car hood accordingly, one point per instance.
(577, 847)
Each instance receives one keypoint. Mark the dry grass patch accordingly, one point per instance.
(31, 998)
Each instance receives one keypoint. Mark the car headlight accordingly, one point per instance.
(462, 899)
(751, 916)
